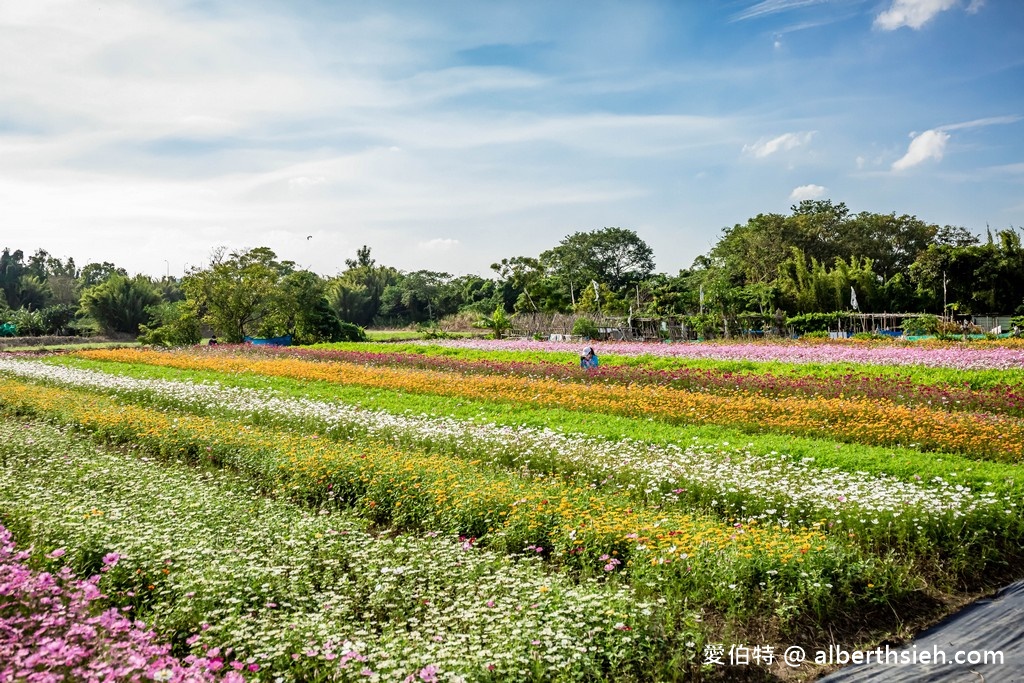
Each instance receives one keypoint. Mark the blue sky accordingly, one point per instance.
(448, 135)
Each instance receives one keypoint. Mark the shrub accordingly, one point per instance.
(432, 330)
(704, 325)
(498, 323)
(174, 324)
(925, 324)
(816, 322)
(352, 332)
(585, 327)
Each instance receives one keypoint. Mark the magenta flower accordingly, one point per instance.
(57, 634)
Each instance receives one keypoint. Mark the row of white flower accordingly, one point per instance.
(735, 480)
(299, 594)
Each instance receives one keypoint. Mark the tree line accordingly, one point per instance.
(819, 259)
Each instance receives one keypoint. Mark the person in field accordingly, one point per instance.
(588, 359)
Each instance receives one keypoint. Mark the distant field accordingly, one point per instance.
(57, 343)
(405, 335)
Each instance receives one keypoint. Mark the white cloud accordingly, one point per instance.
(975, 6)
(439, 244)
(912, 13)
(930, 144)
(803, 192)
(782, 143)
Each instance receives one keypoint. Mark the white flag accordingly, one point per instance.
(702, 295)
(853, 299)
(597, 292)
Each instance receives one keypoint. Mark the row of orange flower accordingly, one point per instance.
(855, 420)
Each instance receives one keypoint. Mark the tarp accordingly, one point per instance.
(992, 625)
(286, 340)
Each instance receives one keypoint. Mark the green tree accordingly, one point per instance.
(617, 257)
(95, 273)
(172, 323)
(238, 293)
(523, 277)
(118, 304)
(417, 297)
(357, 293)
(308, 315)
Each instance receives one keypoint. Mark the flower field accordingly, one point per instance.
(491, 512)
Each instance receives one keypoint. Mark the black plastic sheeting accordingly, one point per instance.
(989, 625)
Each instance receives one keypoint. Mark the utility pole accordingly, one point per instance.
(944, 309)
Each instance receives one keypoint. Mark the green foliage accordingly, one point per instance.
(431, 330)
(356, 294)
(236, 295)
(118, 304)
(615, 256)
(584, 327)
(704, 324)
(419, 296)
(498, 322)
(57, 319)
(96, 273)
(351, 333)
(171, 324)
(28, 323)
(818, 322)
(921, 325)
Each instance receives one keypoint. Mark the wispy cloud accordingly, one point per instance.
(803, 192)
(782, 143)
(930, 144)
(912, 13)
(978, 123)
(767, 7)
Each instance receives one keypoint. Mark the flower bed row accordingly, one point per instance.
(726, 565)
(855, 420)
(947, 356)
(888, 385)
(881, 510)
(279, 592)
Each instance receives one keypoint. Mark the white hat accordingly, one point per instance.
(586, 351)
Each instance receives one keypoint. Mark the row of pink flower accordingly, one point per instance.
(51, 631)
(890, 387)
(957, 357)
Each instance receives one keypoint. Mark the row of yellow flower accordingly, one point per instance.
(416, 490)
(856, 420)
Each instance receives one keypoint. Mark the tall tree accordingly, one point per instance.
(236, 293)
